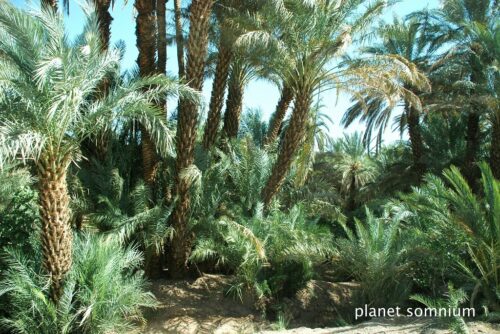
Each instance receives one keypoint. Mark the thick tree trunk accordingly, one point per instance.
(495, 146)
(472, 148)
(146, 43)
(182, 240)
(279, 115)
(293, 137)
(217, 98)
(416, 140)
(179, 38)
(56, 232)
(234, 106)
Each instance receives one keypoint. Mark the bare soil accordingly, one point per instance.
(203, 306)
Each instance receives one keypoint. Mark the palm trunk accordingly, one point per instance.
(161, 42)
(472, 148)
(146, 43)
(179, 38)
(49, 4)
(217, 98)
(278, 116)
(182, 240)
(416, 140)
(234, 105)
(105, 19)
(56, 232)
(495, 146)
(293, 137)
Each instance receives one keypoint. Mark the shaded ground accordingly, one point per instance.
(202, 306)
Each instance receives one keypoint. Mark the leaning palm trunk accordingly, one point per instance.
(217, 98)
(234, 106)
(186, 136)
(278, 116)
(293, 137)
(495, 146)
(146, 43)
(416, 140)
(102, 11)
(471, 149)
(55, 213)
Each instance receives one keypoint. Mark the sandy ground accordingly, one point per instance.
(202, 306)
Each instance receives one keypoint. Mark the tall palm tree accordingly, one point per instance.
(51, 112)
(408, 39)
(186, 135)
(455, 18)
(306, 37)
(146, 43)
(105, 19)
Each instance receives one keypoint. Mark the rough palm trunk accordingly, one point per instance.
(471, 149)
(186, 135)
(278, 116)
(179, 38)
(416, 140)
(56, 232)
(217, 98)
(161, 42)
(105, 19)
(234, 106)
(146, 43)
(495, 146)
(293, 137)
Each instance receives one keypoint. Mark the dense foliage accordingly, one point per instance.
(98, 193)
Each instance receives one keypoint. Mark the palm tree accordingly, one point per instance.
(104, 19)
(407, 39)
(50, 4)
(146, 43)
(186, 135)
(52, 112)
(354, 167)
(306, 37)
(455, 19)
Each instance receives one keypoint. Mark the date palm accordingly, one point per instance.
(408, 39)
(308, 38)
(186, 135)
(51, 82)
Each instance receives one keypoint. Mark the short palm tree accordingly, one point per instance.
(305, 38)
(406, 39)
(52, 81)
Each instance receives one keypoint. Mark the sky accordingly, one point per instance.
(259, 94)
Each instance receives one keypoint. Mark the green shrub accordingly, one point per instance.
(104, 292)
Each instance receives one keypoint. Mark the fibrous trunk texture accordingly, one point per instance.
(105, 19)
(217, 98)
(471, 149)
(495, 146)
(186, 135)
(56, 232)
(234, 106)
(179, 38)
(416, 140)
(278, 116)
(146, 43)
(293, 137)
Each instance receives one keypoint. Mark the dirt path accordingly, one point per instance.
(202, 307)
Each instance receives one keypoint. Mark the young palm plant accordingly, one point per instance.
(52, 81)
